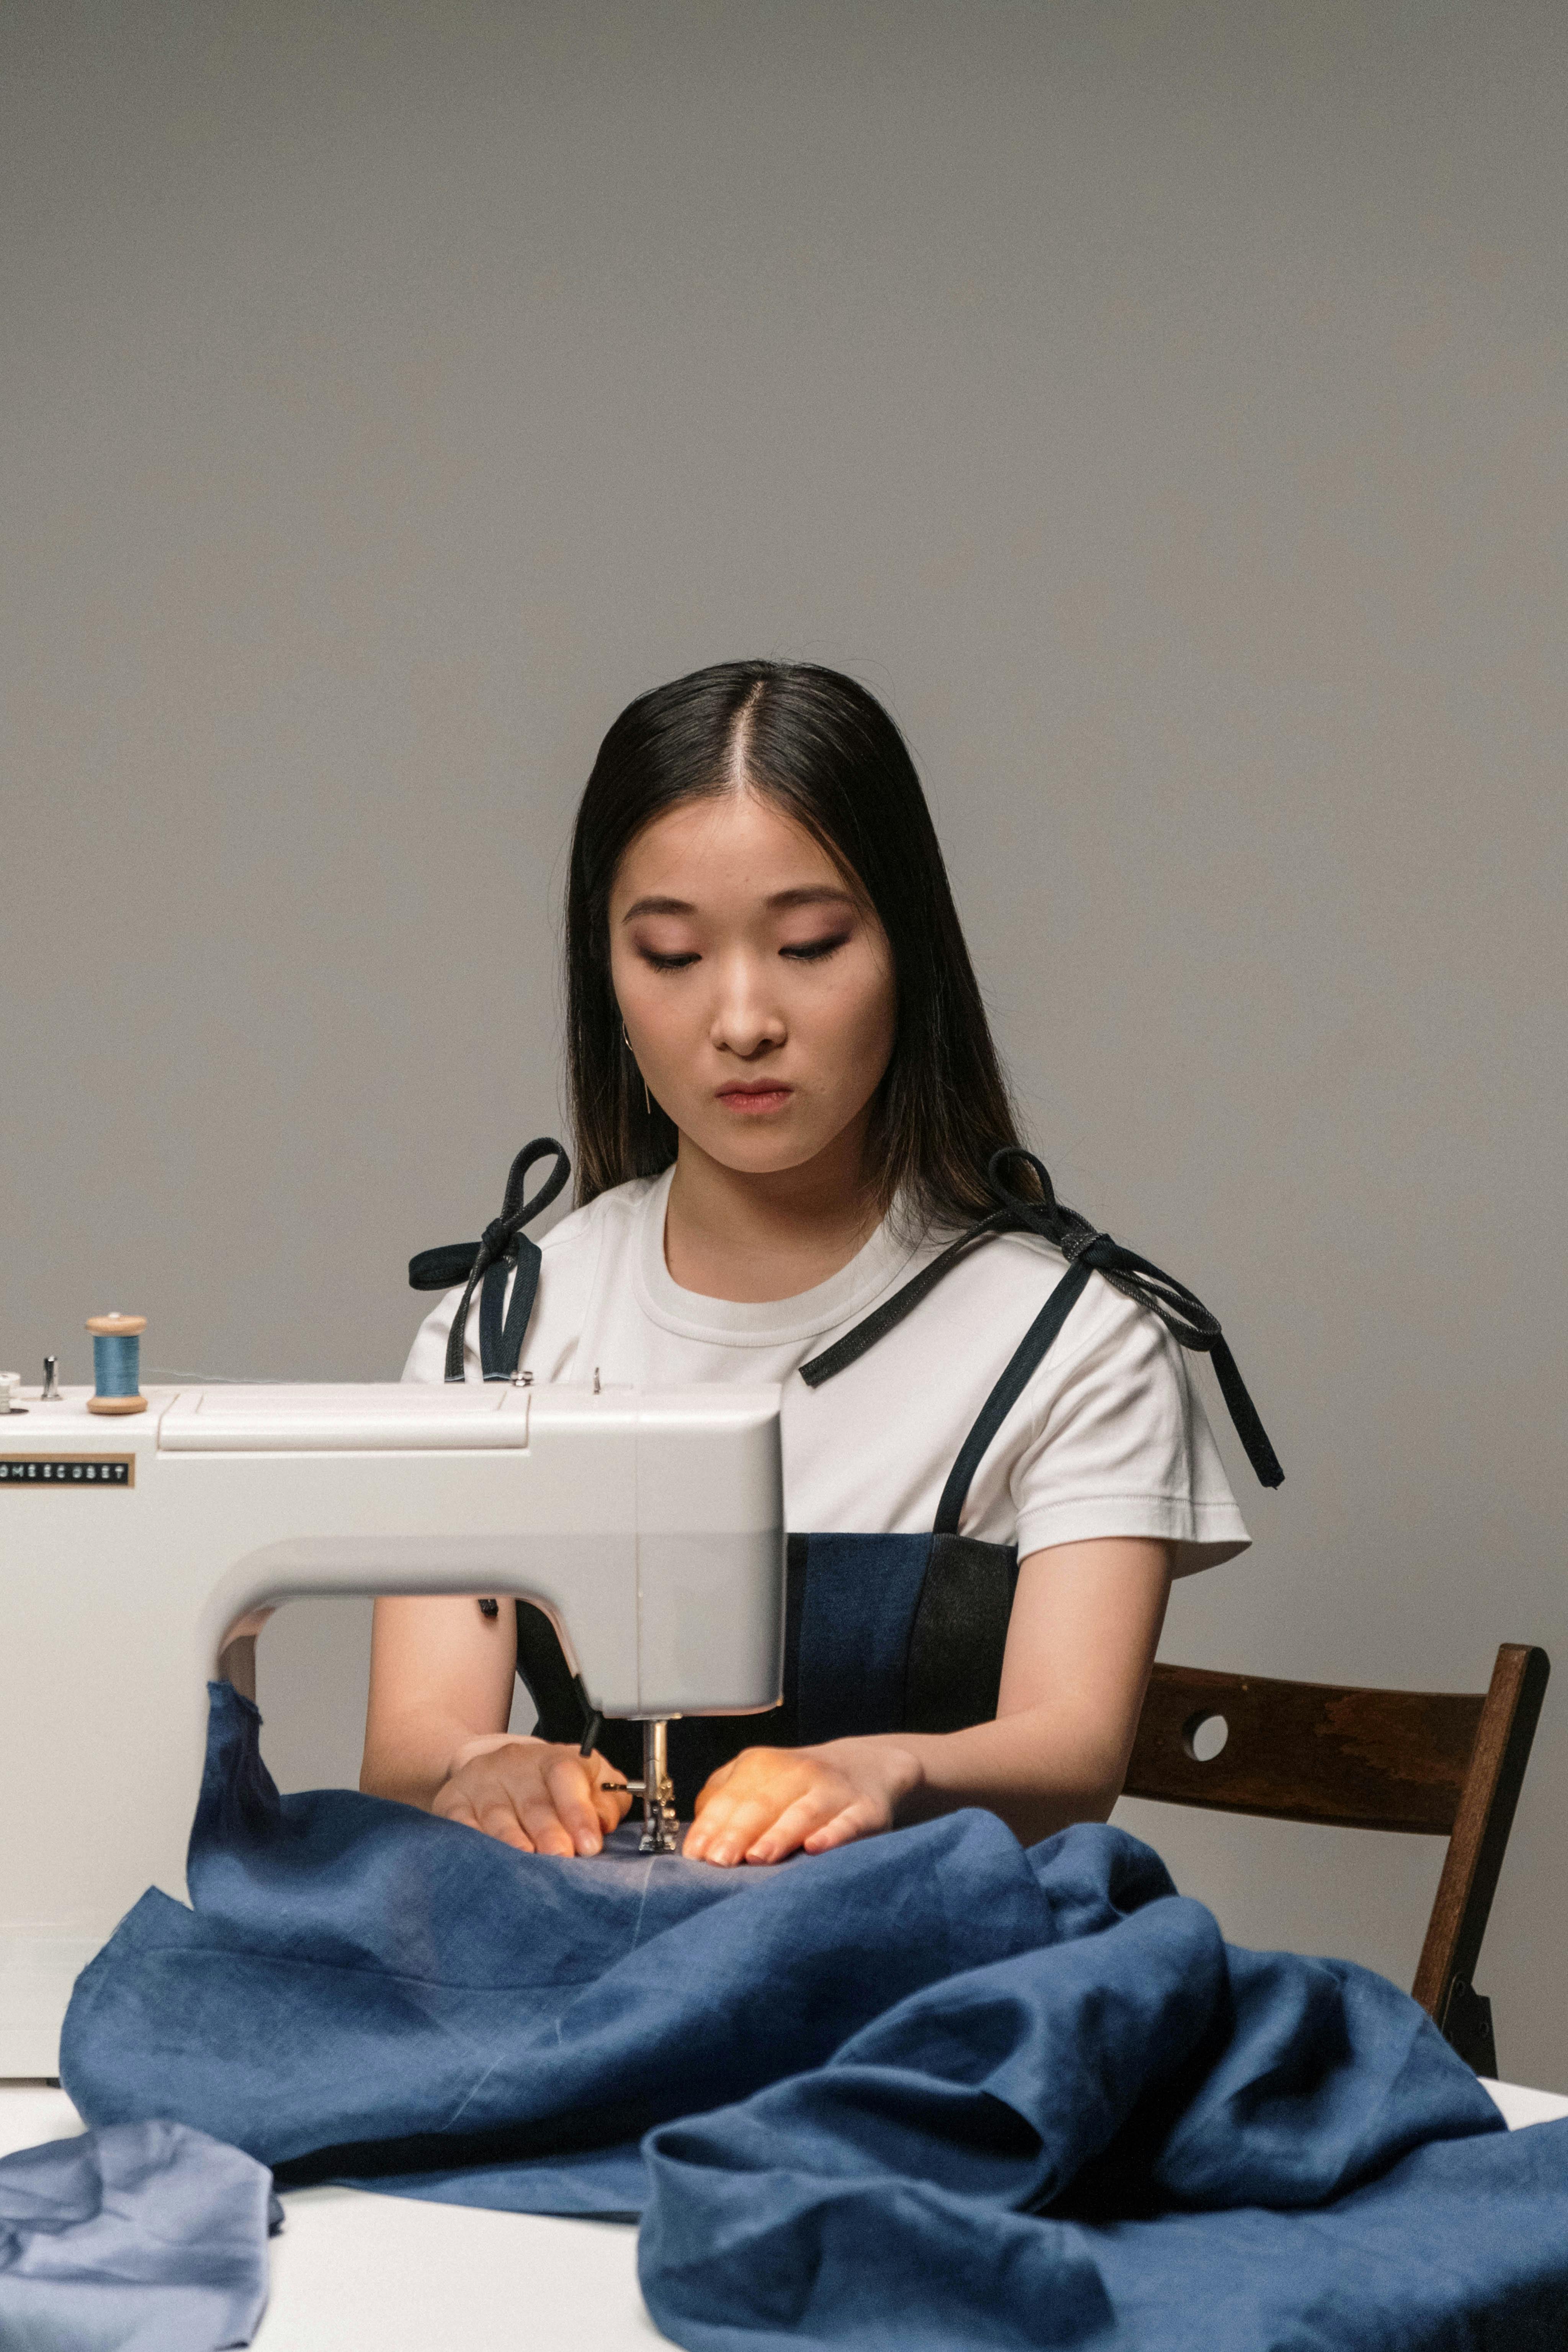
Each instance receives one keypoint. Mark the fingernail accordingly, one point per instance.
(587, 1842)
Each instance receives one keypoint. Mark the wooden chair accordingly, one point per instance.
(1438, 1763)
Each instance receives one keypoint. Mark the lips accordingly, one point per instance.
(753, 1100)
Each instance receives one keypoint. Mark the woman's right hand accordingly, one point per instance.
(534, 1794)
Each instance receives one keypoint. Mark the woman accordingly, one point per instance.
(786, 1099)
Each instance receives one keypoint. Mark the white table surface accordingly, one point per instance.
(355, 2272)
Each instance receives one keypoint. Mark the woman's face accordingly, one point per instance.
(756, 988)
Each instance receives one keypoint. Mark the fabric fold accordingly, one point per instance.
(930, 2089)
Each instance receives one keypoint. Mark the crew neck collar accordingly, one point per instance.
(765, 1323)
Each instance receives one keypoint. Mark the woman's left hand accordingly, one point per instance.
(771, 1801)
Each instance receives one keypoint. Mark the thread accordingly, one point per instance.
(117, 1363)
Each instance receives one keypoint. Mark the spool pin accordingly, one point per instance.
(117, 1363)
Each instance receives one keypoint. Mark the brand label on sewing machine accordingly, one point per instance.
(67, 1469)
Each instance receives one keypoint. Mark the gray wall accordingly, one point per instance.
(1158, 404)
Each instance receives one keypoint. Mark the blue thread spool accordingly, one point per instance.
(117, 1363)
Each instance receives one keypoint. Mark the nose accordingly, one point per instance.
(747, 1021)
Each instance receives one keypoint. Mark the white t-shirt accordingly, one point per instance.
(1109, 1438)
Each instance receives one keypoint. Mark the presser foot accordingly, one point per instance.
(660, 1832)
(660, 1825)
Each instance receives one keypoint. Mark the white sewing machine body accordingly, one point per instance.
(649, 1524)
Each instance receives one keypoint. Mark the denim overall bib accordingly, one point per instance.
(882, 1633)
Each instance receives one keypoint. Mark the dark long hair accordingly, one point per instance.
(827, 753)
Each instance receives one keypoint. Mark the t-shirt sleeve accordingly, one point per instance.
(427, 1356)
(1120, 1444)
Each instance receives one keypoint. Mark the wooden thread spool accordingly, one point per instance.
(117, 1363)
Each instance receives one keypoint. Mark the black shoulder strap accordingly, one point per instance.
(500, 1344)
(1030, 1354)
(503, 1244)
(1182, 1312)
(882, 1319)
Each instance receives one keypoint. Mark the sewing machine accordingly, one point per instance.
(650, 1524)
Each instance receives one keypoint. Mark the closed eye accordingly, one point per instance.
(814, 950)
(668, 963)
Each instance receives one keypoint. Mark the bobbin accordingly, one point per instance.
(128, 1328)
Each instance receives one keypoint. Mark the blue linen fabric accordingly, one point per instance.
(930, 2090)
(143, 2237)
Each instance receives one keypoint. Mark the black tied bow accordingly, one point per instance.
(1181, 1310)
(501, 1243)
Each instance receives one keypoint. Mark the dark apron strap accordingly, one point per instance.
(1028, 1356)
(500, 1344)
(503, 1243)
(1181, 1311)
(892, 1311)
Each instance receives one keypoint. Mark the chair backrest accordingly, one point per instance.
(1440, 1763)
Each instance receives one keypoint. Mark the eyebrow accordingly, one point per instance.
(815, 894)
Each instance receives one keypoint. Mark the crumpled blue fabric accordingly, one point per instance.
(996, 2164)
(146, 2237)
(930, 2090)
